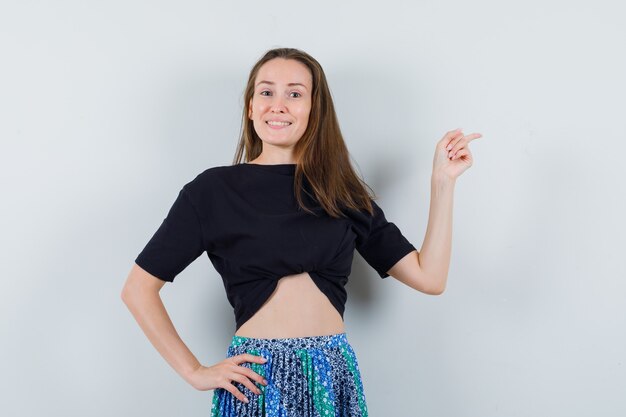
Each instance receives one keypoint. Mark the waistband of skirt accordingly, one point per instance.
(304, 342)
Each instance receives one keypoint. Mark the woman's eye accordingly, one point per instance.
(293, 92)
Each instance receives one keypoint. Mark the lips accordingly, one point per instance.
(278, 123)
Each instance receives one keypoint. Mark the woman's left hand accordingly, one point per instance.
(452, 156)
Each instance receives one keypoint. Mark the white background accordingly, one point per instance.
(108, 108)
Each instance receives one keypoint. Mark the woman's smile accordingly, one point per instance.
(277, 124)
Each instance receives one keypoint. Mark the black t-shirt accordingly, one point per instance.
(246, 218)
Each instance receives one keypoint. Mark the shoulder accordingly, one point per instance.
(363, 220)
(215, 173)
(211, 178)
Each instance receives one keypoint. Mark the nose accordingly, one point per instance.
(278, 105)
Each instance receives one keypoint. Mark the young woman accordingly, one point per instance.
(281, 229)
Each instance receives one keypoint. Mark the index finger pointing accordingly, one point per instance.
(473, 136)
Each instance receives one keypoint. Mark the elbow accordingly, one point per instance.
(125, 295)
(132, 297)
(431, 289)
(437, 287)
(437, 290)
(140, 284)
(131, 293)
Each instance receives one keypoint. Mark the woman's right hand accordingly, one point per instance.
(223, 373)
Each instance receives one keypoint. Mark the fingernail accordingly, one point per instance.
(265, 381)
(449, 147)
(264, 359)
(246, 399)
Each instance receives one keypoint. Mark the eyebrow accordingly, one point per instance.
(290, 84)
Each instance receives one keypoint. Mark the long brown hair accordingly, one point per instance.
(321, 153)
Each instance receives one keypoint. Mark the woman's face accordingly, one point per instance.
(281, 101)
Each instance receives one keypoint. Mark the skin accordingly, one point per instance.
(296, 296)
(280, 101)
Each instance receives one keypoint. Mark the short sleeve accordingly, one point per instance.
(176, 243)
(384, 244)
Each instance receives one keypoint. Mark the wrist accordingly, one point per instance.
(190, 375)
(442, 180)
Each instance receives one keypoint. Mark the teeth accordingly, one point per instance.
(278, 123)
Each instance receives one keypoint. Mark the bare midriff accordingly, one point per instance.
(296, 308)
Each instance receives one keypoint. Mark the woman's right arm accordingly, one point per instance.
(141, 296)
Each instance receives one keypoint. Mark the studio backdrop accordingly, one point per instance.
(108, 108)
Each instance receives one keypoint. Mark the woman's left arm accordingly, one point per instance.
(427, 270)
